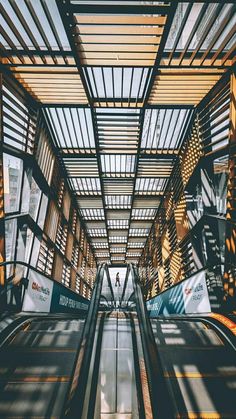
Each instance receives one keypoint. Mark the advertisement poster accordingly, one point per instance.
(195, 293)
(38, 294)
(190, 296)
(66, 301)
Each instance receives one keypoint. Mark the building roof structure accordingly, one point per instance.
(118, 83)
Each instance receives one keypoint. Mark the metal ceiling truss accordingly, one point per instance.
(118, 82)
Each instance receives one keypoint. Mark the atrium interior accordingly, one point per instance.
(117, 209)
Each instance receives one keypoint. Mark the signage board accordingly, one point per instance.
(38, 294)
(66, 301)
(195, 294)
(189, 296)
(46, 296)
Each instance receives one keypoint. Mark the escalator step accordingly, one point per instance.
(50, 339)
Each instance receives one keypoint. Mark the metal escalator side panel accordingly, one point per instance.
(163, 404)
(76, 395)
(144, 402)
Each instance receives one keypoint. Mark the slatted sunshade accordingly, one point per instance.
(202, 34)
(118, 201)
(119, 39)
(86, 186)
(150, 186)
(52, 84)
(182, 86)
(118, 86)
(120, 79)
(118, 130)
(72, 129)
(163, 130)
(36, 49)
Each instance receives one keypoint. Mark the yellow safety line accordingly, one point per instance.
(185, 347)
(230, 324)
(32, 349)
(199, 375)
(33, 379)
(205, 415)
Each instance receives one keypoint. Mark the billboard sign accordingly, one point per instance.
(46, 296)
(38, 294)
(195, 293)
(189, 296)
(66, 301)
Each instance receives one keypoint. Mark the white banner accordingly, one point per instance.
(38, 294)
(195, 294)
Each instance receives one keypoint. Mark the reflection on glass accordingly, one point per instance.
(42, 212)
(221, 227)
(10, 241)
(31, 196)
(192, 13)
(13, 168)
(221, 178)
(21, 243)
(194, 204)
(35, 252)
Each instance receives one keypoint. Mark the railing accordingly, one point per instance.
(107, 293)
(159, 395)
(12, 293)
(127, 298)
(76, 395)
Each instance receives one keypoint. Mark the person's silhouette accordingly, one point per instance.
(117, 280)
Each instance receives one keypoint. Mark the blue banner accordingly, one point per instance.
(189, 296)
(66, 301)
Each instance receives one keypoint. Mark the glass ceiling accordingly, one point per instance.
(118, 82)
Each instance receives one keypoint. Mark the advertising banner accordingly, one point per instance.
(66, 301)
(46, 296)
(195, 293)
(190, 296)
(38, 294)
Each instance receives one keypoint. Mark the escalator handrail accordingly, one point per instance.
(109, 283)
(74, 402)
(11, 329)
(96, 369)
(219, 329)
(161, 401)
(125, 284)
(138, 374)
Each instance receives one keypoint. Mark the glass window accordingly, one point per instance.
(35, 194)
(35, 252)
(31, 196)
(42, 212)
(221, 179)
(21, 243)
(194, 204)
(222, 228)
(13, 169)
(10, 242)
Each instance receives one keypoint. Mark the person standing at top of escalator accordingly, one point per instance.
(117, 280)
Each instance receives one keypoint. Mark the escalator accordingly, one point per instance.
(64, 367)
(117, 363)
(199, 367)
(116, 390)
(117, 382)
(190, 362)
(36, 364)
